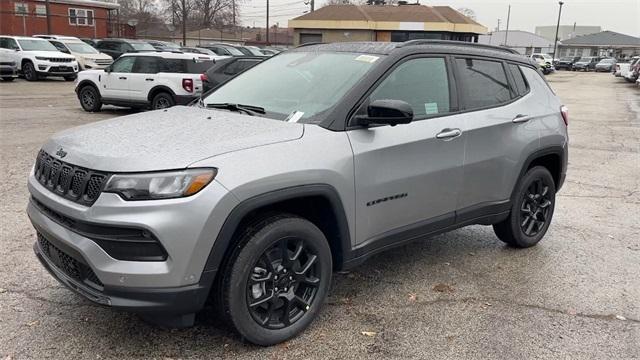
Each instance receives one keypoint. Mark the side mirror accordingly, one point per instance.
(108, 69)
(387, 112)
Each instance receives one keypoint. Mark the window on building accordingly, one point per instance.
(422, 83)
(310, 38)
(21, 9)
(537, 50)
(81, 17)
(486, 83)
(41, 10)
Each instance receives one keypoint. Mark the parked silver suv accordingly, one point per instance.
(308, 163)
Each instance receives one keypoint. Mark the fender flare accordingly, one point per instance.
(86, 82)
(551, 150)
(158, 88)
(221, 247)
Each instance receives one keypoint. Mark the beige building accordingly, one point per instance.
(339, 23)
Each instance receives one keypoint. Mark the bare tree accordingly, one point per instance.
(468, 13)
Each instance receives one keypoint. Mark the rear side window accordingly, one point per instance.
(521, 83)
(146, 65)
(484, 83)
(198, 66)
(173, 66)
(239, 66)
(422, 83)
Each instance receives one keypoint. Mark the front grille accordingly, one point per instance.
(70, 266)
(77, 184)
(103, 61)
(60, 60)
(60, 69)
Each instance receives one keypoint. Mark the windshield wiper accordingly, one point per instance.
(248, 109)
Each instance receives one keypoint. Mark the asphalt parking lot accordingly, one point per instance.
(459, 295)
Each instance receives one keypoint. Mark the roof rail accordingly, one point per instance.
(457, 43)
(309, 44)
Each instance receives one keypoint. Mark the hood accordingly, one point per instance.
(51, 54)
(166, 139)
(100, 56)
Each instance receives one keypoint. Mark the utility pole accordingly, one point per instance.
(233, 5)
(184, 23)
(267, 22)
(506, 34)
(555, 40)
(312, 3)
(498, 29)
(46, 6)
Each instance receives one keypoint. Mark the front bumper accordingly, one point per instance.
(181, 300)
(48, 68)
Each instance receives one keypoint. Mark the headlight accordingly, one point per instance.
(41, 58)
(160, 185)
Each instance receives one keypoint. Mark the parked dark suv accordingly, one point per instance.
(586, 63)
(566, 62)
(308, 163)
(117, 47)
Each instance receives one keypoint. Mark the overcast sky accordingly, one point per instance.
(615, 15)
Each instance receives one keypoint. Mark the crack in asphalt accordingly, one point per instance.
(607, 317)
(29, 295)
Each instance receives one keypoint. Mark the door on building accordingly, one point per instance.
(310, 38)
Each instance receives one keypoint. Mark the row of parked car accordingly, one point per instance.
(630, 71)
(63, 56)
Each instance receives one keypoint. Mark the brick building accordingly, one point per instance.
(81, 18)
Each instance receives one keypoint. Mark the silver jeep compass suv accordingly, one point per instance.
(308, 163)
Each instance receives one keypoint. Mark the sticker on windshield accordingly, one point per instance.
(367, 58)
(294, 116)
(431, 108)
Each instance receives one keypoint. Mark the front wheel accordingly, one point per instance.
(29, 72)
(531, 211)
(278, 279)
(90, 99)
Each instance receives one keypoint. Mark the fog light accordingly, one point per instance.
(42, 67)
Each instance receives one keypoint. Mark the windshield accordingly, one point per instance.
(36, 45)
(254, 50)
(301, 83)
(140, 46)
(585, 59)
(81, 48)
(607, 61)
(566, 59)
(233, 51)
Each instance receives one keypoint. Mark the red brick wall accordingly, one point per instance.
(12, 24)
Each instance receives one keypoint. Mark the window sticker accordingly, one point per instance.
(367, 58)
(294, 116)
(431, 108)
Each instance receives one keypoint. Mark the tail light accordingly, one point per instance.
(187, 85)
(565, 114)
(203, 77)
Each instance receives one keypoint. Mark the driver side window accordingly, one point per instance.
(60, 46)
(422, 83)
(123, 64)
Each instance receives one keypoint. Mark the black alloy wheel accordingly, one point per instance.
(90, 99)
(276, 279)
(283, 283)
(532, 207)
(535, 208)
(162, 100)
(29, 72)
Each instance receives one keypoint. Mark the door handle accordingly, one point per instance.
(448, 134)
(122, 78)
(149, 79)
(521, 118)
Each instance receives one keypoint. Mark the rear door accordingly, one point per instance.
(408, 176)
(143, 77)
(499, 117)
(115, 84)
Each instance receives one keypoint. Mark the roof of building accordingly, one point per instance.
(387, 17)
(604, 38)
(107, 4)
(516, 38)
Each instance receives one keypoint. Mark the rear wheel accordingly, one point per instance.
(90, 99)
(162, 100)
(278, 279)
(532, 210)
(29, 72)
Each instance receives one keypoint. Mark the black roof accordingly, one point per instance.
(435, 46)
(123, 40)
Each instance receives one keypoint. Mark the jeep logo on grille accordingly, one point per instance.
(61, 153)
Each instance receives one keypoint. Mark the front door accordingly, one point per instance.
(144, 77)
(407, 177)
(115, 84)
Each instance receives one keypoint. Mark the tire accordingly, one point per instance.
(90, 99)
(70, 78)
(162, 100)
(8, 78)
(532, 210)
(29, 72)
(258, 283)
